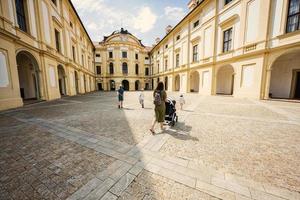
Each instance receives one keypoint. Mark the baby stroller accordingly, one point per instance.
(171, 118)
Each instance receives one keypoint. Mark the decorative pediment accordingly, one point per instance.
(230, 21)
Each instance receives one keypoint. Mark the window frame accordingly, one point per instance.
(57, 40)
(137, 69)
(177, 60)
(124, 68)
(195, 53)
(226, 2)
(124, 54)
(227, 43)
(289, 16)
(110, 55)
(22, 15)
(196, 23)
(98, 69)
(111, 68)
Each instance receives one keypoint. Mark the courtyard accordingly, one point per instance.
(84, 147)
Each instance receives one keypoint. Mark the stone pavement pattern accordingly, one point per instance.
(83, 147)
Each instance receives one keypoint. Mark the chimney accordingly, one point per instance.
(157, 40)
(168, 29)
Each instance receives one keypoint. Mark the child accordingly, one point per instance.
(181, 101)
(141, 98)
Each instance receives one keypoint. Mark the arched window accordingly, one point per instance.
(111, 68)
(124, 68)
(136, 69)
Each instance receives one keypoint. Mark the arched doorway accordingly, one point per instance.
(194, 81)
(225, 80)
(29, 80)
(285, 76)
(61, 80)
(166, 83)
(125, 85)
(76, 82)
(177, 83)
(112, 85)
(137, 85)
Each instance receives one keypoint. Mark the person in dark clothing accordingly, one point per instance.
(120, 97)
(160, 97)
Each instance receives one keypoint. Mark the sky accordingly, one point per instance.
(146, 19)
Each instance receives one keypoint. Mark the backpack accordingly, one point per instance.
(157, 98)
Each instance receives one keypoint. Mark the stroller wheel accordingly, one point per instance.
(172, 123)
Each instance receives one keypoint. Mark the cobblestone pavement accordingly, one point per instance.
(83, 147)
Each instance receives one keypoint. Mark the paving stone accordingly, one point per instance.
(121, 171)
(231, 186)
(86, 189)
(109, 196)
(259, 195)
(214, 190)
(110, 170)
(100, 191)
(122, 184)
(137, 168)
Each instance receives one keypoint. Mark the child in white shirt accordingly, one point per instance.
(141, 98)
(181, 101)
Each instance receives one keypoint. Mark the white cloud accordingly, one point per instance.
(145, 20)
(174, 13)
(100, 17)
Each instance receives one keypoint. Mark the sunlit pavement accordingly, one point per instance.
(84, 147)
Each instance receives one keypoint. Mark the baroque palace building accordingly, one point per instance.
(122, 59)
(45, 52)
(243, 48)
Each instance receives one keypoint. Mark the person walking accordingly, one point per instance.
(120, 96)
(181, 101)
(160, 97)
(141, 98)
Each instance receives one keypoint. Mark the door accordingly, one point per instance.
(297, 86)
(60, 86)
(100, 86)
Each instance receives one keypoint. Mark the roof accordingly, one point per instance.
(81, 23)
(189, 14)
(122, 31)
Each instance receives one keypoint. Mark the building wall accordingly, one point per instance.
(43, 18)
(259, 37)
(117, 43)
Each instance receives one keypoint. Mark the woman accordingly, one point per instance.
(121, 96)
(160, 97)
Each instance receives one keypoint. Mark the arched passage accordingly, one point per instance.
(194, 81)
(285, 76)
(166, 83)
(125, 85)
(61, 80)
(177, 83)
(137, 85)
(225, 80)
(76, 82)
(29, 80)
(112, 85)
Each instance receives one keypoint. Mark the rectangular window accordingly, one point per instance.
(178, 37)
(166, 46)
(124, 54)
(73, 53)
(136, 56)
(98, 69)
(146, 58)
(158, 68)
(98, 55)
(293, 20)
(57, 40)
(20, 8)
(71, 24)
(82, 60)
(196, 23)
(110, 54)
(227, 1)
(166, 64)
(177, 60)
(227, 40)
(195, 53)
(147, 71)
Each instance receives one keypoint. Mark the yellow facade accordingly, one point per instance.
(122, 59)
(45, 52)
(243, 48)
